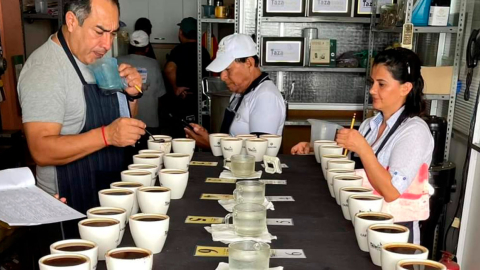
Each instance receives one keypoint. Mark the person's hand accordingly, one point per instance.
(132, 77)
(63, 200)
(181, 92)
(301, 148)
(200, 135)
(124, 132)
(352, 140)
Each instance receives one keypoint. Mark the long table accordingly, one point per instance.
(328, 240)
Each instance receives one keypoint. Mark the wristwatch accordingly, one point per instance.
(132, 98)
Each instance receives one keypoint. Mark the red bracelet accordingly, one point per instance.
(103, 135)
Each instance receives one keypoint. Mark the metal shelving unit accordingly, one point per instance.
(325, 19)
(201, 21)
(443, 31)
(314, 69)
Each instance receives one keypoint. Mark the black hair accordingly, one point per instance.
(82, 9)
(144, 24)
(244, 59)
(405, 65)
(192, 34)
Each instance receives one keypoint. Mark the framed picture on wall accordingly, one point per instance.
(284, 8)
(363, 8)
(283, 51)
(330, 8)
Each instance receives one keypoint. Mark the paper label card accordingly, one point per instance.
(283, 51)
(221, 180)
(330, 6)
(273, 182)
(284, 6)
(280, 221)
(365, 6)
(288, 254)
(206, 251)
(203, 163)
(284, 166)
(203, 220)
(208, 196)
(280, 198)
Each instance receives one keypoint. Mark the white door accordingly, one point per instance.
(165, 15)
(190, 8)
(131, 11)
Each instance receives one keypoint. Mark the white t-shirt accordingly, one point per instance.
(261, 111)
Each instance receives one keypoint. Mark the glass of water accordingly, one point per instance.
(249, 191)
(241, 165)
(249, 219)
(248, 255)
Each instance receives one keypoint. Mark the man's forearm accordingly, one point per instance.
(171, 74)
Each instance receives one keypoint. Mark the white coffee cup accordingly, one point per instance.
(340, 181)
(155, 159)
(154, 200)
(274, 143)
(150, 234)
(316, 147)
(77, 246)
(325, 159)
(419, 265)
(364, 203)
(133, 186)
(376, 238)
(346, 192)
(143, 177)
(165, 147)
(392, 253)
(215, 145)
(154, 169)
(178, 161)
(330, 149)
(231, 146)
(110, 212)
(334, 172)
(257, 148)
(176, 180)
(79, 262)
(142, 259)
(244, 138)
(125, 201)
(365, 220)
(345, 164)
(106, 237)
(155, 152)
(184, 146)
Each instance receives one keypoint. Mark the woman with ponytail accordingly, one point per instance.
(393, 149)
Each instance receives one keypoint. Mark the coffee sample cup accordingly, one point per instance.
(274, 143)
(215, 145)
(365, 220)
(316, 147)
(346, 192)
(165, 147)
(364, 203)
(381, 234)
(143, 177)
(149, 231)
(175, 180)
(132, 186)
(231, 146)
(412, 264)
(110, 212)
(129, 258)
(392, 253)
(331, 173)
(325, 159)
(117, 197)
(154, 200)
(256, 147)
(340, 181)
(177, 161)
(345, 164)
(330, 149)
(64, 262)
(154, 169)
(105, 232)
(154, 159)
(244, 138)
(77, 246)
(184, 146)
(154, 152)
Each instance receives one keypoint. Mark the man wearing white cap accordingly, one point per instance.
(153, 86)
(256, 106)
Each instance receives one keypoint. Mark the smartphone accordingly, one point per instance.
(185, 124)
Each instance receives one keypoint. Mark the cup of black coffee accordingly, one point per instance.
(365, 220)
(381, 234)
(129, 258)
(64, 262)
(392, 253)
(413, 264)
(77, 246)
(103, 231)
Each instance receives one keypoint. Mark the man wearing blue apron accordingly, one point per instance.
(76, 133)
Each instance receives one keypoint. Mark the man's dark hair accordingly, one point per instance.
(144, 24)
(82, 9)
(244, 59)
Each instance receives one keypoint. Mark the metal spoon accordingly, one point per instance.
(154, 139)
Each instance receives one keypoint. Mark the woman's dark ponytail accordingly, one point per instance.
(405, 65)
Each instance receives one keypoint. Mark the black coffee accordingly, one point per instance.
(99, 223)
(175, 172)
(149, 218)
(156, 190)
(107, 213)
(355, 190)
(74, 247)
(372, 217)
(148, 156)
(137, 173)
(129, 255)
(118, 193)
(404, 250)
(342, 172)
(64, 261)
(365, 198)
(129, 185)
(389, 230)
(419, 266)
(143, 167)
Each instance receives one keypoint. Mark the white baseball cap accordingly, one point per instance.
(139, 39)
(230, 48)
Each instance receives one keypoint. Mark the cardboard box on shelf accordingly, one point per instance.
(438, 80)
